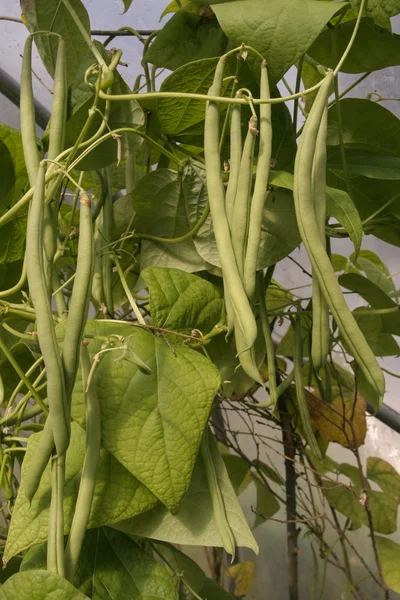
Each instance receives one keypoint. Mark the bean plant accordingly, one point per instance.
(153, 368)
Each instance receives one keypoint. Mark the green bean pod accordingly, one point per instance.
(80, 299)
(241, 210)
(301, 401)
(269, 344)
(240, 304)
(321, 337)
(106, 262)
(260, 187)
(230, 317)
(43, 454)
(89, 471)
(246, 356)
(44, 319)
(219, 511)
(55, 542)
(27, 115)
(235, 159)
(97, 282)
(310, 234)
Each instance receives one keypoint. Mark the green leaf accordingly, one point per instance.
(267, 505)
(152, 423)
(160, 207)
(238, 471)
(389, 557)
(181, 301)
(12, 184)
(379, 11)
(179, 116)
(339, 262)
(39, 585)
(182, 565)
(213, 591)
(42, 16)
(366, 126)
(383, 47)
(186, 37)
(195, 527)
(381, 343)
(375, 270)
(385, 476)
(118, 495)
(269, 472)
(376, 297)
(111, 560)
(338, 203)
(127, 4)
(383, 508)
(267, 26)
(368, 164)
(340, 206)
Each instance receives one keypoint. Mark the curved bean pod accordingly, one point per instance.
(301, 401)
(240, 304)
(320, 335)
(27, 115)
(241, 208)
(45, 328)
(260, 187)
(247, 356)
(310, 234)
(235, 159)
(89, 471)
(106, 262)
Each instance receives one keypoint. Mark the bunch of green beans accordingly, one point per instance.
(61, 370)
(309, 199)
(237, 214)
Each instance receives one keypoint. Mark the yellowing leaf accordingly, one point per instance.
(242, 574)
(389, 556)
(327, 419)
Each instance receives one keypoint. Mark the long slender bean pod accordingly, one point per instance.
(219, 511)
(43, 453)
(269, 344)
(89, 471)
(301, 401)
(77, 316)
(97, 281)
(235, 159)
(56, 146)
(320, 343)
(241, 209)
(107, 265)
(310, 234)
(27, 115)
(260, 187)
(80, 299)
(247, 356)
(240, 304)
(45, 328)
(230, 317)
(52, 532)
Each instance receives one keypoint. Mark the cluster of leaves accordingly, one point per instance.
(150, 475)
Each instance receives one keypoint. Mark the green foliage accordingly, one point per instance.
(165, 363)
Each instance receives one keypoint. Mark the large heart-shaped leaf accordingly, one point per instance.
(383, 47)
(195, 527)
(42, 16)
(186, 37)
(12, 184)
(181, 301)
(159, 203)
(267, 26)
(112, 561)
(118, 495)
(152, 423)
(365, 125)
(379, 11)
(39, 585)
